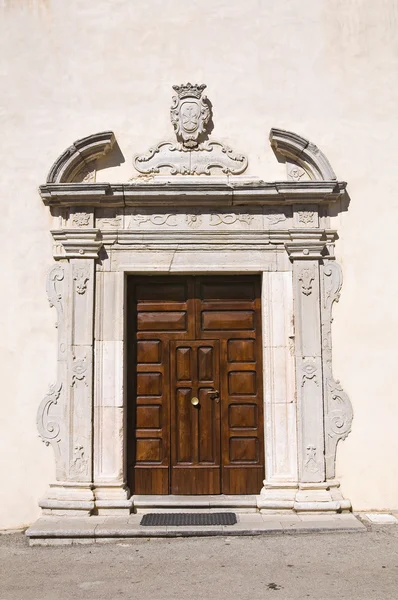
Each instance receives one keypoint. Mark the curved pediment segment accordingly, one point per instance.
(76, 164)
(303, 158)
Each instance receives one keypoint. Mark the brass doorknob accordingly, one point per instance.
(195, 401)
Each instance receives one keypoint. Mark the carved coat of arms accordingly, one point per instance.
(190, 113)
(193, 153)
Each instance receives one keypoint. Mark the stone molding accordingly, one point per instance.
(77, 243)
(186, 192)
(79, 158)
(303, 154)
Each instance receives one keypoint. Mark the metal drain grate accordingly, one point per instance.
(188, 519)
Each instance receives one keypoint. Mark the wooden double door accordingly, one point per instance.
(195, 403)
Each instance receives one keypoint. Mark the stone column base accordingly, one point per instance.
(112, 499)
(302, 497)
(68, 498)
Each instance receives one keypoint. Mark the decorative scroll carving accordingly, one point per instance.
(207, 158)
(338, 408)
(190, 113)
(309, 370)
(169, 219)
(306, 277)
(48, 427)
(54, 291)
(229, 219)
(81, 275)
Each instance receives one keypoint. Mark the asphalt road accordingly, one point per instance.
(355, 566)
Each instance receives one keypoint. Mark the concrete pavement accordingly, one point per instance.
(328, 566)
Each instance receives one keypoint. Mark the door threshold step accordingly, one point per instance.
(82, 530)
(142, 503)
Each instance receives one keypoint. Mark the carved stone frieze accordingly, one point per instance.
(169, 219)
(193, 220)
(230, 218)
(338, 408)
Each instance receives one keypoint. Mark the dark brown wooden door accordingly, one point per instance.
(189, 336)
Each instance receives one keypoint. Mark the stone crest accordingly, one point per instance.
(192, 153)
(190, 113)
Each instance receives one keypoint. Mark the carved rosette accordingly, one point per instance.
(338, 408)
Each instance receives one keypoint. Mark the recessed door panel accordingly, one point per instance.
(195, 419)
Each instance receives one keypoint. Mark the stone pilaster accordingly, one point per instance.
(70, 428)
(306, 256)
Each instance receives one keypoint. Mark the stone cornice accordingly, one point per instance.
(300, 244)
(222, 192)
(78, 243)
(306, 249)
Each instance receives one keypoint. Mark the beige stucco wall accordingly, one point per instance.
(325, 69)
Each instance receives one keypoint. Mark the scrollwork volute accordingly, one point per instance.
(48, 426)
(338, 408)
(49, 414)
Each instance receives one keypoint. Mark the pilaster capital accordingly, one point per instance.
(305, 249)
(76, 243)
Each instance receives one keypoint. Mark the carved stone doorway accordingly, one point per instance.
(167, 221)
